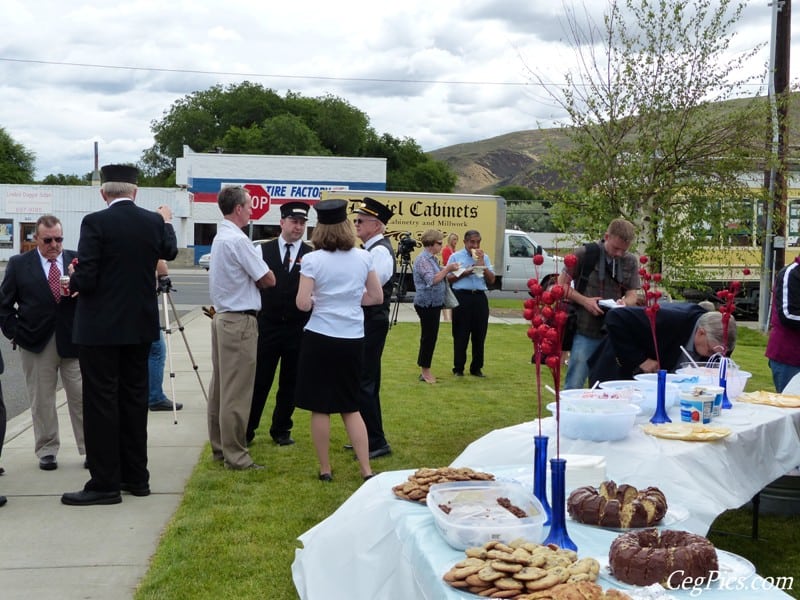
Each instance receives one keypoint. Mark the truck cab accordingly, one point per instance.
(518, 266)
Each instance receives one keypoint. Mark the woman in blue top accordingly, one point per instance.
(429, 281)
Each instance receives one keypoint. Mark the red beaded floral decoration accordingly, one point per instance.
(728, 299)
(546, 309)
(652, 295)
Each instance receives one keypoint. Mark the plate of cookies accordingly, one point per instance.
(416, 488)
(524, 570)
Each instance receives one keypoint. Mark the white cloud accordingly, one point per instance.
(440, 72)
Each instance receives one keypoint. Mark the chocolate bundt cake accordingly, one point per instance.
(667, 557)
(617, 506)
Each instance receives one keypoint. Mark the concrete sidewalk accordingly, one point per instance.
(53, 551)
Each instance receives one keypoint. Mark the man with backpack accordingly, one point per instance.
(605, 271)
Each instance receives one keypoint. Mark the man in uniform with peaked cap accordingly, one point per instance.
(371, 219)
(280, 325)
(116, 321)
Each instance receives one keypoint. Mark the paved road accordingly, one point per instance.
(190, 290)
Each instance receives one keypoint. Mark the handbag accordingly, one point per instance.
(450, 300)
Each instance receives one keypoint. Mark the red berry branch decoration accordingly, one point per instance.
(652, 295)
(728, 307)
(547, 312)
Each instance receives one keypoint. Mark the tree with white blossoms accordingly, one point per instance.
(655, 135)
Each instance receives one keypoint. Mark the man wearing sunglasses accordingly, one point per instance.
(36, 314)
(371, 219)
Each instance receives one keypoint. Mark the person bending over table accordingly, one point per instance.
(629, 347)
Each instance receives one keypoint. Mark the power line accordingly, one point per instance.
(269, 75)
(541, 84)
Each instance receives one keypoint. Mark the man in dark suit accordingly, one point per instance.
(116, 321)
(36, 314)
(2, 422)
(371, 219)
(280, 325)
(629, 347)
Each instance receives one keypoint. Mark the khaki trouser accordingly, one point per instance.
(234, 343)
(41, 377)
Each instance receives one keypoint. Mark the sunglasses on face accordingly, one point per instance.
(360, 221)
(50, 240)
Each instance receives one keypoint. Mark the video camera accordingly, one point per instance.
(164, 284)
(406, 246)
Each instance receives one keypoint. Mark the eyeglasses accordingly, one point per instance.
(57, 240)
(360, 221)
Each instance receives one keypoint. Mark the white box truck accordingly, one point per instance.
(510, 251)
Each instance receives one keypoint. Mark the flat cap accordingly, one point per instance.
(119, 173)
(373, 208)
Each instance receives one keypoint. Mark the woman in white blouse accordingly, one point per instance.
(335, 281)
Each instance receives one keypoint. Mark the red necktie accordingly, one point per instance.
(54, 279)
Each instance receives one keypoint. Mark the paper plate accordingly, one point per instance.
(688, 432)
(732, 567)
(770, 399)
(675, 514)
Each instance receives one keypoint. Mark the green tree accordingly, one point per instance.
(61, 179)
(408, 168)
(526, 210)
(248, 118)
(650, 138)
(16, 162)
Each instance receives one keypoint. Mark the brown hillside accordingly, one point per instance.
(509, 159)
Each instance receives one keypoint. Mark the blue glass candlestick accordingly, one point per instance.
(540, 473)
(558, 527)
(660, 416)
(723, 382)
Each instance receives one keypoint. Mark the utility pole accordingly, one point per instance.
(774, 240)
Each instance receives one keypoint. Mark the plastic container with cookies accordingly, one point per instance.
(471, 513)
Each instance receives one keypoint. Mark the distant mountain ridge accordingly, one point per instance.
(511, 158)
(508, 159)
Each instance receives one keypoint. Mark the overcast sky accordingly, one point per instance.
(439, 71)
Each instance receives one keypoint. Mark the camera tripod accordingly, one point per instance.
(164, 287)
(400, 290)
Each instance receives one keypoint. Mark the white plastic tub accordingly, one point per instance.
(594, 421)
(647, 389)
(475, 516)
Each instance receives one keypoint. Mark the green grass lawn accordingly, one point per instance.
(235, 534)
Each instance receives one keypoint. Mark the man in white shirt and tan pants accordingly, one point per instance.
(236, 273)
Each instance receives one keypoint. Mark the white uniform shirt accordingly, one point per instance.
(339, 281)
(235, 267)
(381, 258)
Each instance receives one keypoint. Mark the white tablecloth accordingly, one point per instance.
(378, 546)
(707, 478)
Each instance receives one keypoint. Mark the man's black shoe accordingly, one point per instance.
(382, 451)
(3, 500)
(135, 489)
(477, 373)
(165, 405)
(284, 440)
(89, 498)
(48, 463)
(458, 373)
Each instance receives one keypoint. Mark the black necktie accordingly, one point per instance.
(287, 257)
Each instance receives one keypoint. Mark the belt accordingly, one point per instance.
(252, 313)
(469, 291)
